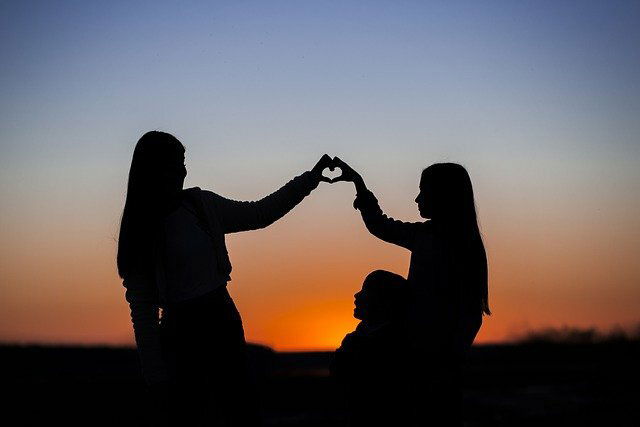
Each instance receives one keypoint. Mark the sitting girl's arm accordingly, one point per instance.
(380, 225)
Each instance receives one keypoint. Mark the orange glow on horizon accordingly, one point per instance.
(294, 281)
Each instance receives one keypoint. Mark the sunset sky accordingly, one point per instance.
(539, 100)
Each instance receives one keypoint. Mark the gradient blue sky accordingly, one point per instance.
(540, 100)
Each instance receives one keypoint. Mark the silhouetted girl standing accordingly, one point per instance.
(172, 256)
(447, 282)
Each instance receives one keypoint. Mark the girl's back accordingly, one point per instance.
(443, 314)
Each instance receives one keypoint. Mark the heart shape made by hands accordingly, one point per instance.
(332, 174)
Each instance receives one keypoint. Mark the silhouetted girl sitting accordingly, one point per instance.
(370, 364)
(447, 282)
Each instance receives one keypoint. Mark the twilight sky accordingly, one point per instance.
(540, 100)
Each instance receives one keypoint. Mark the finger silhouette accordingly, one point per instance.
(338, 162)
(347, 172)
(328, 161)
(325, 162)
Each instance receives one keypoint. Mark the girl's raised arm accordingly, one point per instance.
(380, 225)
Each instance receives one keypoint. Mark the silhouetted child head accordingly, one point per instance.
(381, 297)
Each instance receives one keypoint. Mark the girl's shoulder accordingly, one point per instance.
(191, 192)
(425, 227)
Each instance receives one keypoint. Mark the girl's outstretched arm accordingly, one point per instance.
(380, 225)
(238, 216)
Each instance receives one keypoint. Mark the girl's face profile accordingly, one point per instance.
(422, 200)
(176, 173)
(360, 310)
(370, 303)
(182, 168)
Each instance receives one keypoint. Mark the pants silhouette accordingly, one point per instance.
(204, 346)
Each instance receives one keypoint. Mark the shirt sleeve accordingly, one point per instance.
(142, 299)
(383, 227)
(238, 216)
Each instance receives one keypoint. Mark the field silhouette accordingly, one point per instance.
(539, 381)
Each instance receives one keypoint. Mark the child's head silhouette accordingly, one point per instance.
(380, 298)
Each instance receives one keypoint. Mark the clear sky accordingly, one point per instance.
(540, 100)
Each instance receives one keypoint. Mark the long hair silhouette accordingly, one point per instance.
(450, 204)
(155, 180)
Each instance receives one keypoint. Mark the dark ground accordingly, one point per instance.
(539, 384)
